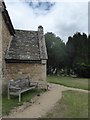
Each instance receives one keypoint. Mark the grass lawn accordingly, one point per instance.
(0, 105)
(7, 105)
(81, 83)
(72, 105)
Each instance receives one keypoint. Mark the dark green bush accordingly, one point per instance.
(82, 70)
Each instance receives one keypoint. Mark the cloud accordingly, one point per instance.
(49, 1)
(41, 5)
(62, 18)
(89, 18)
(73, 17)
(41, 8)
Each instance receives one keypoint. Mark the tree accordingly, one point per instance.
(70, 53)
(74, 56)
(78, 54)
(56, 52)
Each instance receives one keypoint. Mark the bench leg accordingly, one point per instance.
(8, 96)
(20, 97)
(37, 86)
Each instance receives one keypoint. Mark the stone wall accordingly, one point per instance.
(0, 50)
(18, 70)
(6, 39)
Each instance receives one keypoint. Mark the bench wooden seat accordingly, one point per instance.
(16, 87)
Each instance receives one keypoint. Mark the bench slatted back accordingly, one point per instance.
(20, 83)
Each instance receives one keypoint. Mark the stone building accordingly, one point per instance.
(23, 52)
(6, 34)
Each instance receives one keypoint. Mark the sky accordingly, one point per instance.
(63, 18)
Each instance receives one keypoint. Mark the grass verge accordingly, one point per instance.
(8, 105)
(0, 105)
(72, 105)
(81, 83)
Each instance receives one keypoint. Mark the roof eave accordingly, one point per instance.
(7, 20)
(21, 61)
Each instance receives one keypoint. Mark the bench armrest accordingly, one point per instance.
(34, 83)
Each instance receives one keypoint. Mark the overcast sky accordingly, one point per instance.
(62, 18)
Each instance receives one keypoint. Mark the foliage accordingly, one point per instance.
(78, 54)
(82, 70)
(74, 56)
(56, 52)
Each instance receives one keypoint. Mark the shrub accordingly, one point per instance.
(82, 70)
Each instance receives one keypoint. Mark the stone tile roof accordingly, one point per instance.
(26, 46)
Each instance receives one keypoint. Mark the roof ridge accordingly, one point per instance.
(26, 30)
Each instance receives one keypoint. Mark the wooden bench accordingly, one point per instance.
(16, 87)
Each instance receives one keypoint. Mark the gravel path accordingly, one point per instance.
(43, 103)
